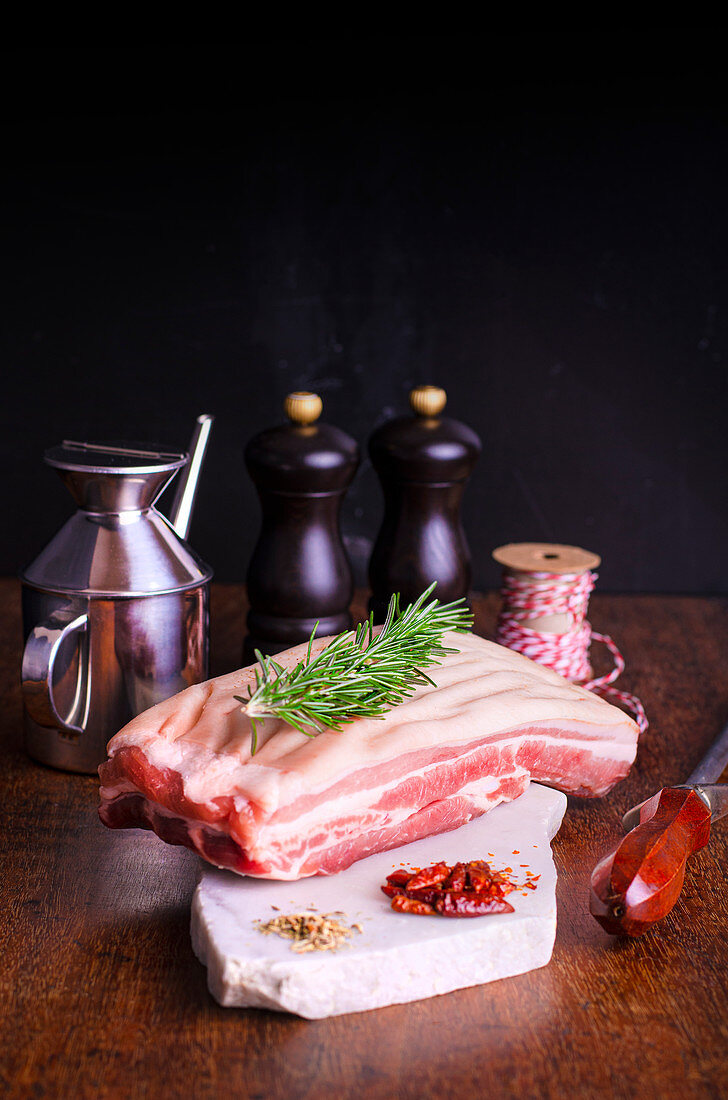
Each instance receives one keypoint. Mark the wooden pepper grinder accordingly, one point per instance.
(299, 573)
(423, 462)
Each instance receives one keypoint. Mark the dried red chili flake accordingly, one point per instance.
(481, 878)
(502, 883)
(464, 890)
(403, 904)
(399, 878)
(396, 883)
(457, 878)
(470, 904)
(429, 876)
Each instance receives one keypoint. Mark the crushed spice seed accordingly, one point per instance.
(309, 931)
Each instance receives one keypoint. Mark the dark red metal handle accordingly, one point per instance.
(639, 882)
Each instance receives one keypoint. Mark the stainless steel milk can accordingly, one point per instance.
(115, 608)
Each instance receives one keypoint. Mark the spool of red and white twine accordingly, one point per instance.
(545, 595)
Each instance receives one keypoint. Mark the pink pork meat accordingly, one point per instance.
(305, 806)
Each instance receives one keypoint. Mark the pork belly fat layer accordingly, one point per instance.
(323, 852)
(304, 806)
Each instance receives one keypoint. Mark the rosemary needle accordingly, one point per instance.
(359, 674)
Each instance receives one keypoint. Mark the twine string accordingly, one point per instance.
(537, 595)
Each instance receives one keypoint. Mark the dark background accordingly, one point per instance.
(536, 223)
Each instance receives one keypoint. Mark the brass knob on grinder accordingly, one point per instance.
(427, 400)
(302, 407)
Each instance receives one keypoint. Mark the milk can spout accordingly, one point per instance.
(184, 498)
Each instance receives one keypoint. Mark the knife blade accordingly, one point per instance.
(639, 882)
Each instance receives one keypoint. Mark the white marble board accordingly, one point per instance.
(397, 957)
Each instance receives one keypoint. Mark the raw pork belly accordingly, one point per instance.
(305, 806)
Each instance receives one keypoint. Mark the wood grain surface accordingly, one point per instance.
(101, 995)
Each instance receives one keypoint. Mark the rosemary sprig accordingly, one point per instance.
(360, 674)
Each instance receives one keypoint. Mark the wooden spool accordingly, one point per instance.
(546, 557)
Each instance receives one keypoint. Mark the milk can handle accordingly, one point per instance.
(39, 656)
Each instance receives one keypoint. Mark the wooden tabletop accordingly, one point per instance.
(101, 995)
